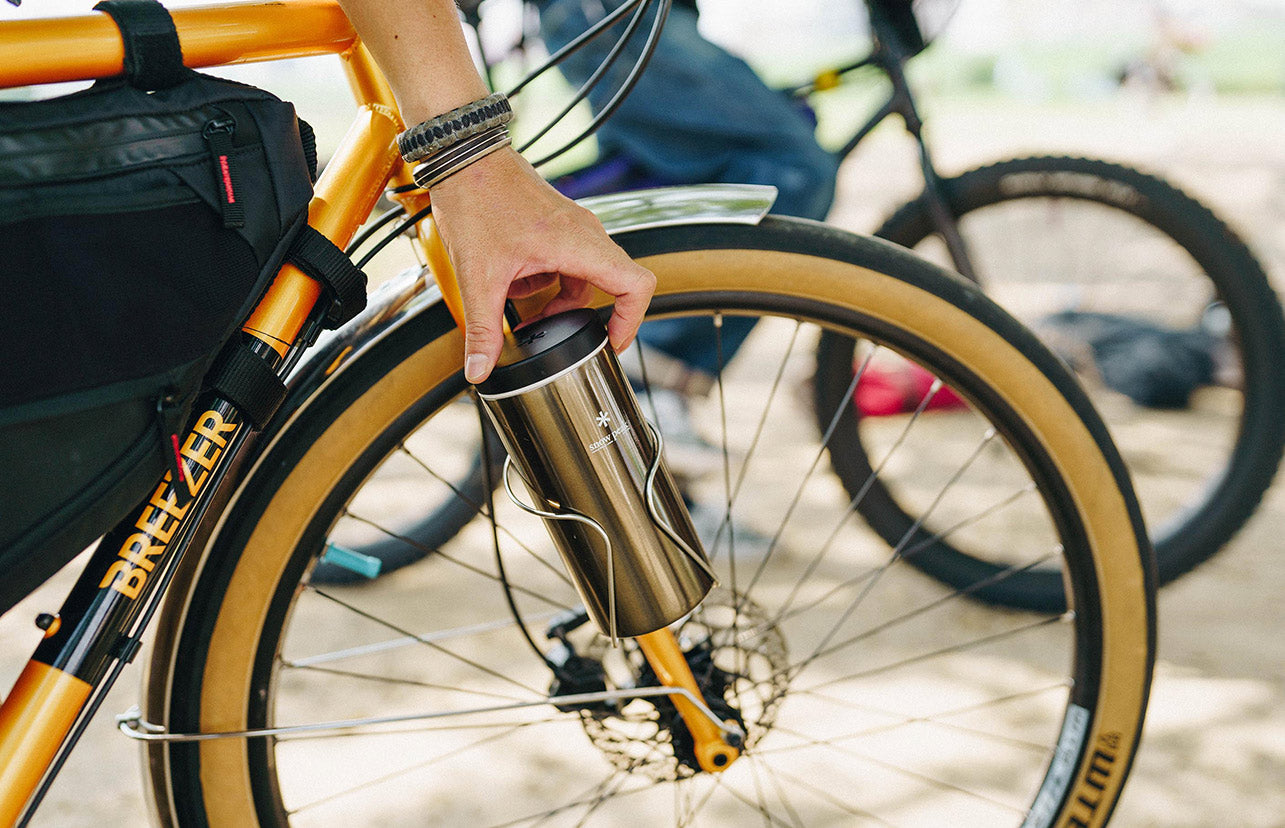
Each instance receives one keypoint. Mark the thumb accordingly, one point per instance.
(482, 342)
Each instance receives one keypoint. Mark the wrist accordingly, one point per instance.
(455, 140)
(485, 173)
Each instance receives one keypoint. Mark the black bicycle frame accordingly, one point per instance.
(890, 57)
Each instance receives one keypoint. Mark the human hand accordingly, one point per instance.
(509, 234)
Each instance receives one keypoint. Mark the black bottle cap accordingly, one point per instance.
(543, 349)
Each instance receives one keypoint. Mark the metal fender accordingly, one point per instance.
(413, 291)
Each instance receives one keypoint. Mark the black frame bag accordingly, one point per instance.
(140, 221)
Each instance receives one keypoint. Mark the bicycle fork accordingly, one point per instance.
(594, 469)
(714, 751)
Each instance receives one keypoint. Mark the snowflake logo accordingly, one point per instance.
(603, 419)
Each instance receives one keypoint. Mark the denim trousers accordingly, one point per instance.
(697, 115)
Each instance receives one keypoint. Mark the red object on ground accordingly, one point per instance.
(882, 392)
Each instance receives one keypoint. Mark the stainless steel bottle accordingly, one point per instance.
(593, 468)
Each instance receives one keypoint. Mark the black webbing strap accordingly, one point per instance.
(344, 282)
(242, 378)
(153, 57)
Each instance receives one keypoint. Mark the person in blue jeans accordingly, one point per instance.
(697, 115)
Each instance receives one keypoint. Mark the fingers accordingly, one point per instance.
(630, 307)
(572, 294)
(509, 234)
(632, 286)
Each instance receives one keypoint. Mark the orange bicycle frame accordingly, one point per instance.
(98, 629)
(100, 623)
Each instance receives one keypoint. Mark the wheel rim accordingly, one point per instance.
(1050, 235)
(310, 791)
(1142, 275)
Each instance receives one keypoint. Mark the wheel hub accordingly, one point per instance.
(738, 657)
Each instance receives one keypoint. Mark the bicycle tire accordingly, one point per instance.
(224, 661)
(1196, 529)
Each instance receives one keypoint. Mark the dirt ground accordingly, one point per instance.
(1213, 753)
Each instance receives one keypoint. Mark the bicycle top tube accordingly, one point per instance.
(51, 50)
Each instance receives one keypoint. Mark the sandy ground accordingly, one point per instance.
(1214, 749)
(1213, 753)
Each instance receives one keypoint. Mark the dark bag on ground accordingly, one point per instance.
(140, 221)
(1155, 367)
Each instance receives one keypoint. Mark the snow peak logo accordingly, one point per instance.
(604, 421)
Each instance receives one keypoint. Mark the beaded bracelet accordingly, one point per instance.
(451, 160)
(436, 134)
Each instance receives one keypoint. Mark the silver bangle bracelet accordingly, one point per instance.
(451, 160)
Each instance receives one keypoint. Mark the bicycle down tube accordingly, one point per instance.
(98, 629)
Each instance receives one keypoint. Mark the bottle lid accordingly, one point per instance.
(541, 351)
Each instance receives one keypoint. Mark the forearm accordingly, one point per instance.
(507, 232)
(420, 46)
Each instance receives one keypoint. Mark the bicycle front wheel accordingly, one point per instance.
(869, 694)
(1166, 316)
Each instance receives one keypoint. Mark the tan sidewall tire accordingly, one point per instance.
(1104, 511)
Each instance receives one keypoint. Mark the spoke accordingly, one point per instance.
(935, 719)
(803, 784)
(604, 794)
(388, 777)
(478, 508)
(757, 764)
(482, 509)
(759, 804)
(727, 472)
(793, 670)
(932, 605)
(923, 777)
(432, 645)
(410, 640)
(695, 807)
(401, 731)
(592, 797)
(943, 651)
(404, 682)
(726, 456)
(895, 555)
(753, 447)
(727, 462)
(798, 493)
(439, 554)
(964, 523)
(869, 482)
(781, 617)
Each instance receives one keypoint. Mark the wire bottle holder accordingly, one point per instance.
(593, 466)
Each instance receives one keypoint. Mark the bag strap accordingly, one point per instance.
(153, 56)
(243, 378)
(345, 284)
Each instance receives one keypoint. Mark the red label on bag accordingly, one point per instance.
(227, 179)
